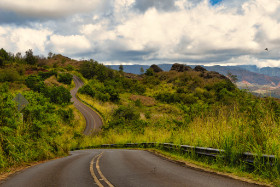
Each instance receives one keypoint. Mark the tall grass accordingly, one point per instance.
(255, 129)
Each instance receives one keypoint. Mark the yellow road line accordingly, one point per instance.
(100, 173)
(92, 172)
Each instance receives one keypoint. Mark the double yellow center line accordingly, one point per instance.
(97, 181)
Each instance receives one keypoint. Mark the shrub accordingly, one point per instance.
(126, 112)
(9, 75)
(86, 89)
(150, 72)
(67, 115)
(69, 68)
(35, 83)
(59, 95)
(45, 75)
(65, 78)
(103, 96)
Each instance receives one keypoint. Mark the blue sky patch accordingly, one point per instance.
(214, 2)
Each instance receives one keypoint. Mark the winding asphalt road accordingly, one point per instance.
(93, 120)
(113, 167)
(116, 168)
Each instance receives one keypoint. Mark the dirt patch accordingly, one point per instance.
(146, 101)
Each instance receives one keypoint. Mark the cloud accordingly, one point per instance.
(69, 45)
(22, 39)
(144, 5)
(50, 8)
(148, 31)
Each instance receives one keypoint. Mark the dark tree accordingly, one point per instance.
(65, 78)
(142, 70)
(150, 72)
(232, 77)
(121, 68)
(30, 58)
(1, 61)
(4, 54)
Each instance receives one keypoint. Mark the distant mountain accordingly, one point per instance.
(245, 75)
(270, 71)
(250, 74)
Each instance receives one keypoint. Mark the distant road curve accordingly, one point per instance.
(119, 168)
(93, 120)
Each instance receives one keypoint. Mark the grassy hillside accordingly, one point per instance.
(195, 107)
(184, 106)
(49, 126)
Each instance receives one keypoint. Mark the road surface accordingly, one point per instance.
(93, 120)
(105, 167)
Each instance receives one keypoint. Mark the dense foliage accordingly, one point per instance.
(35, 134)
(193, 107)
(57, 94)
(65, 78)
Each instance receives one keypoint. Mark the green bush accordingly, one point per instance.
(86, 89)
(69, 68)
(45, 75)
(67, 115)
(65, 78)
(9, 75)
(59, 95)
(35, 83)
(127, 113)
(103, 96)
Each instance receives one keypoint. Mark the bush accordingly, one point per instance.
(45, 75)
(150, 72)
(69, 68)
(65, 78)
(67, 115)
(103, 96)
(9, 75)
(127, 112)
(59, 95)
(35, 83)
(86, 89)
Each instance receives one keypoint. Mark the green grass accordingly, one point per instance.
(224, 128)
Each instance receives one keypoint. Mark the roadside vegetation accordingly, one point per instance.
(194, 107)
(183, 106)
(49, 126)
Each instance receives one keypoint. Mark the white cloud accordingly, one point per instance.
(22, 39)
(133, 30)
(69, 45)
(50, 8)
(249, 60)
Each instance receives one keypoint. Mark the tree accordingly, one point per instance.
(1, 61)
(142, 70)
(121, 68)
(50, 55)
(59, 95)
(35, 83)
(150, 72)
(232, 77)
(65, 78)
(4, 54)
(29, 58)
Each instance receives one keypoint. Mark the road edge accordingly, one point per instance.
(194, 166)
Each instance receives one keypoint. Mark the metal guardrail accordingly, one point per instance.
(200, 151)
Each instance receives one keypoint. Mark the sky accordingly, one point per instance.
(207, 32)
